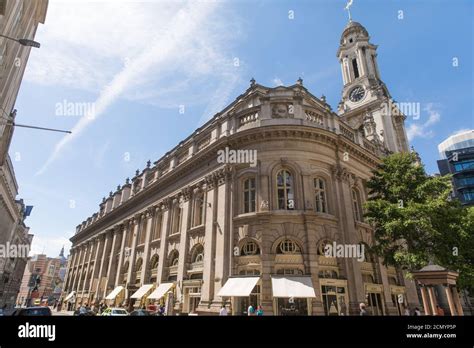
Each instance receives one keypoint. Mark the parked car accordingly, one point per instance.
(115, 312)
(32, 311)
(141, 313)
(87, 313)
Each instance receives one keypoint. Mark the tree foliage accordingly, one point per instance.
(416, 221)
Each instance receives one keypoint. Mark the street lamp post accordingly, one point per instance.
(23, 42)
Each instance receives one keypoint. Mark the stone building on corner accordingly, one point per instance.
(195, 232)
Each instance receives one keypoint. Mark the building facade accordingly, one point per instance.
(19, 19)
(42, 280)
(242, 211)
(457, 158)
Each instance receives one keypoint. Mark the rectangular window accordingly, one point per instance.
(157, 230)
(464, 165)
(249, 195)
(3, 6)
(355, 67)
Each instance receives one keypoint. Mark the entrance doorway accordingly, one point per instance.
(334, 300)
(374, 301)
(241, 304)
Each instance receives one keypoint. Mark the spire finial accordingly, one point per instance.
(348, 8)
(252, 82)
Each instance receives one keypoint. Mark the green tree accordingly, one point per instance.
(415, 220)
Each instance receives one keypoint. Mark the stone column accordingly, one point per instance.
(146, 252)
(432, 300)
(76, 271)
(125, 232)
(80, 267)
(343, 181)
(90, 251)
(112, 266)
(424, 297)
(165, 228)
(133, 253)
(457, 301)
(207, 289)
(70, 270)
(183, 247)
(95, 268)
(449, 295)
(106, 243)
(222, 235)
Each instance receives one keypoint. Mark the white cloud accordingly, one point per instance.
(50, 246)
(151, 52)
(423, 130)
(277, 82)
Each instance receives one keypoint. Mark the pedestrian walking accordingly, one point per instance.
(439, 311)
(223, 311)
(259, 311)
(250, 311)
(363, 311)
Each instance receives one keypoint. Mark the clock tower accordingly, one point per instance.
(366, 103)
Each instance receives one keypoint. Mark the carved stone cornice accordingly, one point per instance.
(186, 193)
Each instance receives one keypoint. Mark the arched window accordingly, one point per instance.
(198, 210)
(392, 281)
(250, 248)
(321, 205)
(285, 190)
(197, 254)
(368, 278)
(322, 245)
(139, 265)
(174, 258)
(288, 247)
(154, 262)
(249, 195)
(356, 204)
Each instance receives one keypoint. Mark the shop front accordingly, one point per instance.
(243, 292)
(116, 297)
(292, 295)
(163, 295)
(398, 296)
(374, 298)
(191, 295)
(140, 296)
(334, 296)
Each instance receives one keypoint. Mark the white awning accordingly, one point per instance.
(238, 287)
(298, 287)
(144, 289)
(114, 293)
(160, 291)
(71, 294)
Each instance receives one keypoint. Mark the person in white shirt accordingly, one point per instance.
(223, 310)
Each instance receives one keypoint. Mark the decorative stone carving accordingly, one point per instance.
(282, 110)
(264, 206)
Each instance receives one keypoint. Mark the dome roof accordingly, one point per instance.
(353, 27)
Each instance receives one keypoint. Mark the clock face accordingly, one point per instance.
(357, 94)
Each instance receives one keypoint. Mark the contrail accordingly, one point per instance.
(183, 25)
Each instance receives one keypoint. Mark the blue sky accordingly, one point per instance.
(139, 62)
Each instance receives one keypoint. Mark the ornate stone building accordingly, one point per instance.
(19, 19)
(203, 233)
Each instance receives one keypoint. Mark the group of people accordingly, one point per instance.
(251, 311)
